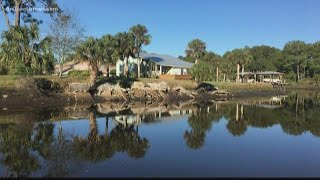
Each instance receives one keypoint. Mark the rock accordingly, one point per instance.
(162, 86)
(79, 87)
(107, 94)
(220, 93)
(138, 85)
(138, 93)
(206, 87)
(104, 87)
(181, 90)
(83, 97)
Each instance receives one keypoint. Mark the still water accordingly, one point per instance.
(275, 136)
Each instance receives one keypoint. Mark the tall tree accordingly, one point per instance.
(141, 38)
(24, 52)
(295, 54)
(20, 8)
(91, 51)
(240, 57)
(215, 59)
(125, 48)
(265, 58)
(196, 49)
(66, 34)
(109, 53)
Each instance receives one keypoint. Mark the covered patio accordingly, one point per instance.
(263, 77)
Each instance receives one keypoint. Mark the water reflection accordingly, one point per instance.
(36, 146)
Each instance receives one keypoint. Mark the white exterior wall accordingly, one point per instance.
(177, 71)
(120, 65)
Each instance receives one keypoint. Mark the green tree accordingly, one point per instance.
(141, 38)
(196, 49)
(109, 53)
(202, 71)
(295, 54)
(264, 58)
(23, 52)
(91, 51)
(215, 59)
(125, 48)
(240, 57)
(15, 7)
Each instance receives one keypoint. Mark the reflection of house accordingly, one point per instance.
(156, 65)
(266, 77)
(80, 66)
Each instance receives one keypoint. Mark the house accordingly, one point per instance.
(156, 65)
(80, 66)
(265, 76)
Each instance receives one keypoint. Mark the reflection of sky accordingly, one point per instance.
(260, 152)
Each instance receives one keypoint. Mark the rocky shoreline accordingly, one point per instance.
(107, 92)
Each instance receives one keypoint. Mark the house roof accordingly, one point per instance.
(166, 60)
(262, 73)
(269, 73)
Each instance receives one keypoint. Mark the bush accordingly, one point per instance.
(36, 86)
(113, 72)
(77, 73)
(203, 71)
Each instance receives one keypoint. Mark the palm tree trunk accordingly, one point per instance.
(298, 72)
(242, 73)
(93, 134)
(217, 73)
(108, 70)
(138, 67)
(126, 68)
(17, 5)
(238, 72)
(93, 74)
(60, 69)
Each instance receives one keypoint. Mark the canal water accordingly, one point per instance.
(276, 136)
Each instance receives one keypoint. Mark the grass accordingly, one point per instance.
(8, 82)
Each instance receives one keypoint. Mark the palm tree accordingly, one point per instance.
(91, 51)
(240, 57)
(141, 37)
(215, 60)
(24, 53)
(196, 49)
(125, 48)
(108, 45)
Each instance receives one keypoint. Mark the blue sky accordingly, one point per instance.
(222, 24)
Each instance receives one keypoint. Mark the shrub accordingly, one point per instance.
(36, 86)
(113, 72)
(203, 71)
(77, 73)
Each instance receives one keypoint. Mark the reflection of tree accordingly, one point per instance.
(237, 126)
(200, 122)
(127, 139)
(194, 139)
(95, 147)
(15, 146)
(101, 147)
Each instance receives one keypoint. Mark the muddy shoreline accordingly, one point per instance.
(15, 100)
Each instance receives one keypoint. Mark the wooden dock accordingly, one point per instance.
(279, 85)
